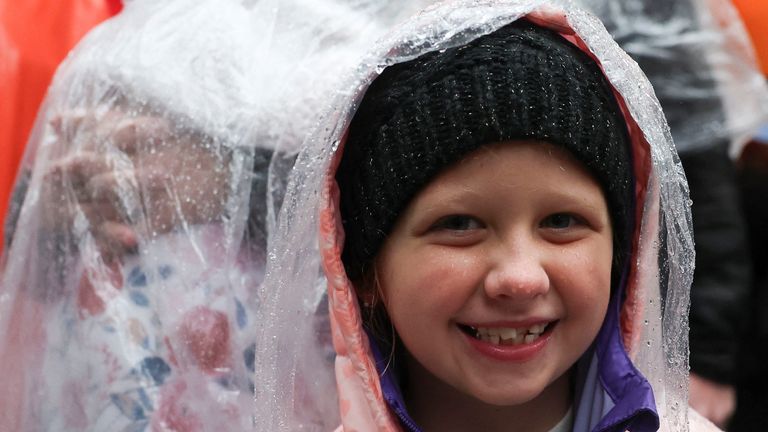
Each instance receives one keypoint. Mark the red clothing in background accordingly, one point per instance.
(35, 36)
(754, 13)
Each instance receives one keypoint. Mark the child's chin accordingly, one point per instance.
(515, 392)
(512, 396)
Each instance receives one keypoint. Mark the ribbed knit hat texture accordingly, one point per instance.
(421, 116)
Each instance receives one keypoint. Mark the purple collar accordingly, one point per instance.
(391, 389)
(634, 404)
(631, 403)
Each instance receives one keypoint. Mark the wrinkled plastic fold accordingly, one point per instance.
(701, 62)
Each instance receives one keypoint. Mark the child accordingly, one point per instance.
(155, 335)
(504, 232)
(142, 318)
(128, 294)
(129, 297)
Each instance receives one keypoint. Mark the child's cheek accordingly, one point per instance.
(583, 273)
(438, 276)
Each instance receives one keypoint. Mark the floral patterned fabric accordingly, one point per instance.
(164, 343)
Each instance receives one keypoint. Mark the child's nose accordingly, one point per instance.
(517, 276)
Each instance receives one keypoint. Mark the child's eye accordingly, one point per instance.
(559, 221)
(457, 223)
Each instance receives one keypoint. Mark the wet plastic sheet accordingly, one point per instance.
(657, 340)
(129, 297)
(128, 284)
(701, 63)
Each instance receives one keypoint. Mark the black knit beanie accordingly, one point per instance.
(421, 116)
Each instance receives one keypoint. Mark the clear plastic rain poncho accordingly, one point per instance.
(702, 65)
(135, 247)
(294, 393)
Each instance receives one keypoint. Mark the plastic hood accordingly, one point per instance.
(652, 320)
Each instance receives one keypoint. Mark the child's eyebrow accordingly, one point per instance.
(462, 195)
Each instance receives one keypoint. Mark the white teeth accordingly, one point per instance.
(508, 335)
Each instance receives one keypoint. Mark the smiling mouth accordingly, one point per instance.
(508, 335)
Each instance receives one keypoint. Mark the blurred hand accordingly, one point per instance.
(131, 177)
(713, 400)
(66, 192)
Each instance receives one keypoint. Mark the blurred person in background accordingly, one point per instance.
(752, 169)
(752, 376)
(135, 242)
(136, 237)
(698, 58)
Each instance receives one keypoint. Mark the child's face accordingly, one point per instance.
(515, 237)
